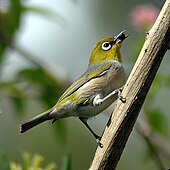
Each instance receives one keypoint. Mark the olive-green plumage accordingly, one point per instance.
(99, 56)
(104, 74)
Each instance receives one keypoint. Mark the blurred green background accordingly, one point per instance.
(44, 46)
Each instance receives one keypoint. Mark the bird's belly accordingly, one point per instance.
(90, 110)
(104, 88)
(103, 85)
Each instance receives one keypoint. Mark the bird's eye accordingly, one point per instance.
(106, 46)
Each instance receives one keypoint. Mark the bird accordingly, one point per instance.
(94, 91)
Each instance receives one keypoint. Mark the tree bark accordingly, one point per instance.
(136, 88)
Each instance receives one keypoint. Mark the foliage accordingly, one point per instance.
(32, 163)
(35, 81)
(28, 81)
(37, 76)
(67, 163)
(155, 117)
(38, 82)
(4, 163)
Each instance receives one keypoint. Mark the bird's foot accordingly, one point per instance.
(123, 99)
(98, 142)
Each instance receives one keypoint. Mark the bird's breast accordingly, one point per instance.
(103, 85)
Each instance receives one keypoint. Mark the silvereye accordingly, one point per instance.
(94, 91)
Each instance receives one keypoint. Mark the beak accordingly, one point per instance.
(118, 39)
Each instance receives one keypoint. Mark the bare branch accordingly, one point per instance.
(52, 71)
(155, 143)
(125, 114)
(162, 145)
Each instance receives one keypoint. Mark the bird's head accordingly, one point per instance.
(108, 49)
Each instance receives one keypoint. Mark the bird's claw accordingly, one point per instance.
(98, 142)
(97, 100)
(54, 121)
(123, 99)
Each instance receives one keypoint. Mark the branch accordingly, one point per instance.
(56, 73)
(155, 142)
(158, 141)
(136, 88)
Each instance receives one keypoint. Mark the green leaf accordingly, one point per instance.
(15, 94)
(2, 51)
(13, 18)
(10, 89)
(4, 163)
(147, 154)
(67, 163)
(51, 94)
(137, 44)
(32, 162)
(39, 10)
(18, 103)
(166, 80)
(35, 75)
(158, 83)
(157, 121)
(51, 89)
(155, 88)
(9, 24)
(46, 13)
(61, 130)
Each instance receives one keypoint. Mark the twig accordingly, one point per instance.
(125, 114)
(56, 74)
(155, 143)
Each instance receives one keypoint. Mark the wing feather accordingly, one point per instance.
(91, 73)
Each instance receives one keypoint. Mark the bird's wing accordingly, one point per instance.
(91, 73)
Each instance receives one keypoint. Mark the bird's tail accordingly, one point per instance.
(36, 121)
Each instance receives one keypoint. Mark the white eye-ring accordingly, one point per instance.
(106, 46)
